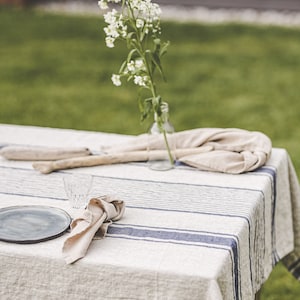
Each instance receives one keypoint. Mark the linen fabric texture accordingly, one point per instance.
(187, 235)
(100, 212)
(232, 151)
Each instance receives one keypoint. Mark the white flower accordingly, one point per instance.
(139, 64)
(116, 27)
(111, 31)
(140, 23)
(110, 42)
(140, 80)
(124, 32)
(116, 79)
(122, 27)
(102, 4)
(131, 66)
(134, 66)
(111, 17)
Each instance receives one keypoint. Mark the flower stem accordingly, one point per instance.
(171, 159)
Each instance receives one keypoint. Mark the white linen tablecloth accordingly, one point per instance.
(185, 234)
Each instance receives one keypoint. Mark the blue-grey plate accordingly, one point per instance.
(32, 223)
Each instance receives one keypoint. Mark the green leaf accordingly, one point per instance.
(145, 106)
(164, 48)
(123, 67)
(156, 61)
(130, 54)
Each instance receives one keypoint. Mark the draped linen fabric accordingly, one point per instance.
(230, 150)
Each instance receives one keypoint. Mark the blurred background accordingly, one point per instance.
(256, 4)
(231, 63)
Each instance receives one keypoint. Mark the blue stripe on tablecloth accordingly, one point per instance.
(219, 241)
(173, 234)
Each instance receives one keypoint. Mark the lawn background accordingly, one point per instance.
(55, 71)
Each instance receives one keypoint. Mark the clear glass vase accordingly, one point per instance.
(161, 142)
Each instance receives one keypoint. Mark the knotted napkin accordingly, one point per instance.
(229, 150)
(100, 212)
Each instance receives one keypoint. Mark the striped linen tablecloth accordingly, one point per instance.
(185, 234)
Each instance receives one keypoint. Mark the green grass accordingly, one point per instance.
(55, 71)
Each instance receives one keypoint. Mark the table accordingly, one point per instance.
(186, 234)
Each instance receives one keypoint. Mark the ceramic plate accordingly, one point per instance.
(32, 224)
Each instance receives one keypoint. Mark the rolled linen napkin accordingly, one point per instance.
(233, 150)
(42, 153)
(100, 212)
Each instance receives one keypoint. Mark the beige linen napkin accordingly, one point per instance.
(232, 150)
(39, 153)
(100, 212)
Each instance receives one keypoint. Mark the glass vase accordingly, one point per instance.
(161, 142)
